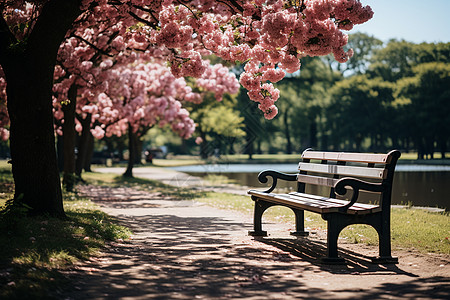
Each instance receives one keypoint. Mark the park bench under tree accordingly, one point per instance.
(345, 174)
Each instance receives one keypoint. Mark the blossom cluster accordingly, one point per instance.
(140, 95)
(270, 37)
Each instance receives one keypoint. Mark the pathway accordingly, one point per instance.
(186, 250)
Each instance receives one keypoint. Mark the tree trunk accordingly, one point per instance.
(138, 156)
(250, 143)
(83, 144)
(28, 68)
(287, 132)
(89, 152)
(312, 134)
(60, 152)
(132, 147)
(32, 141)
(69, 135)
(204, 145)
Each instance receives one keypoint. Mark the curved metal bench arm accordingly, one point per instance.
(343, 185)
(262, 177)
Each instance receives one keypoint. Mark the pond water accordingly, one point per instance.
(419, 185)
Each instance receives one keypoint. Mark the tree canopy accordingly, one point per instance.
(270, 37)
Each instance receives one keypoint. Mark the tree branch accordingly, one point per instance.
(91, 44)
(147, 10)
(233, 5)
(151, 24)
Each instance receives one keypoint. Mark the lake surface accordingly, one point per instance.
(419, 185)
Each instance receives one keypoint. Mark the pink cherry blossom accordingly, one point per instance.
(116, 51)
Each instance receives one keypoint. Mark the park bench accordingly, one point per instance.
(346, 176)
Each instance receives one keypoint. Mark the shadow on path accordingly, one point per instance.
(184, 250)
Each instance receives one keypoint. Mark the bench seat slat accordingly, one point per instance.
(348, 156)
(340, 202)
(313, 203)
(379, 173)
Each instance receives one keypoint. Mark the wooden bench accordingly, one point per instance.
(339, 173)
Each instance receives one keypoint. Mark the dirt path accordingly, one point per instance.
(186, 250)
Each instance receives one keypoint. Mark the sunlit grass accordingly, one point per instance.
(177, 161)
(4, 164)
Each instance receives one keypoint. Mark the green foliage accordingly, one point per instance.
(425, 99)
(360, 108)
(222, 120)
(219, 124)
(398, 58)
(363, 47)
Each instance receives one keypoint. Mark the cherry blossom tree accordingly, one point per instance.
(268, 36)
(144, 94)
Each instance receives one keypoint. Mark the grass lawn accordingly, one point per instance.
(34, 249)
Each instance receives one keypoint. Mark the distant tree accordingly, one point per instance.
(398, 58)
(218, 124)
(304, 97)
(425, 98)
(393, 61)
(359, 109)
(254, 125)
(364, 46)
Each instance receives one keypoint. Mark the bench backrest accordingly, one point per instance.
(326, 168)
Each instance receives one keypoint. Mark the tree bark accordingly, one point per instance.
(249, 143)
(83, 144)
(132, 147)
(89, 152)
(287, 132)
(32, 142)
(138, 156)
(60, 152)
(204, 145)
(28, 68)
(69, 135)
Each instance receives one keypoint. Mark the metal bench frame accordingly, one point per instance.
(338, 213)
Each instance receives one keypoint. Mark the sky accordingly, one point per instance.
(415, 21)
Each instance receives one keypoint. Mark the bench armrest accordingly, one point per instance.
(262, 177)
(341, 188)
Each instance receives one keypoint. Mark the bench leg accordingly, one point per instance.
(384, 234)
(299, 223)
(260, 208)
(335, 224)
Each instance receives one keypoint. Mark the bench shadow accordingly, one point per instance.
(313, 250)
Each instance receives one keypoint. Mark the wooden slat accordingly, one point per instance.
(313, 203)
(324, 202)
(344, 170)
(317, 180)
(358, 206)
(347, 156)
